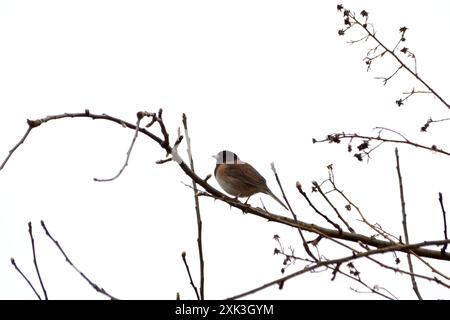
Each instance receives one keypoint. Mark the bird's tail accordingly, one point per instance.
(270, 193)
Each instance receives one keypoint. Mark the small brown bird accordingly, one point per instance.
(239, 178)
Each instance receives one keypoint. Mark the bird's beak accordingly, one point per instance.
(214, 156)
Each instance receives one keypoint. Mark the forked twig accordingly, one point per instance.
(319, 189)
(140, 115)
(305, 243)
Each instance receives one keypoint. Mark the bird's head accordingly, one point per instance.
(226, 157)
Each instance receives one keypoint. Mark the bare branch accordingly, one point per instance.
(444, 214)
(289, 258)
(395, 247)
(305, 243)
(216, 194)
(163, 128)
(10, 153)
(183, 256)
(401, 101)
(136, 131)
(87, 114)
(397, 270)
(163, 161)
(317, 187)
(92, 284)
(338, 137)
(30, 231)
(405, 228)
(351, 204)
(386, 79)
(303, 193)
(197, 210)
(350, 19)
(425, 127)
(377, 289)
(13, 262)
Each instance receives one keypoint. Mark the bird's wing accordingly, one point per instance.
(246, 174)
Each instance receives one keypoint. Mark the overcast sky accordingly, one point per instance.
(260, 78)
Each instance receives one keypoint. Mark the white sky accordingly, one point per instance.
(260, 78)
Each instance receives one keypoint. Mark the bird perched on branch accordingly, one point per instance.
(239, 178)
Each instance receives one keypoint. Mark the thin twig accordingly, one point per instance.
(86, 114)
(432, 268)
(401, 101)
(319, 264)
(163, 127)
(288, 261)
(197, 210)
(372, 289)
(303, 193)
(10, 153)
(30, 231)
(183, 256)
(381, 129)
(317, 187)
(386, 79)
(425, 127)
(378, 230)
(405, 228)
(336, 138)
(287, 256)
(434, 279)
(305, 243)
(392, 53)
(92, 284)
(136, 131)
(376, 289)
(398, 270)
(329, 233)
(162, 161)
(441, 201)
(13, 262)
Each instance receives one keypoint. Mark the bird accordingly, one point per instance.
(239, 178)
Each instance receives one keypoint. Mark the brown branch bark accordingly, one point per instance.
(353, 237)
